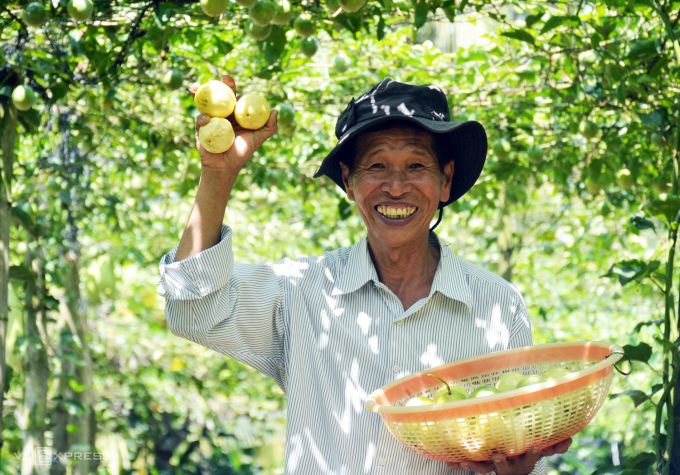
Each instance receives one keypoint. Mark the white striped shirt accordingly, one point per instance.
(330, 333)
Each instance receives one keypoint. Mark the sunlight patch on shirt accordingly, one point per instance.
(323, 341)
(364, 322)
(295, 452)
(354, 398)
(497, 332)
(291, 269)
(329, 276)
(325, 320)
(430, 358)
(370, 456)
(333, 303)
(373, 344)
(316, 453)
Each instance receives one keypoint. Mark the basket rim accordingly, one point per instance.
(616, 353)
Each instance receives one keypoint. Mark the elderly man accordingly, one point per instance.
(331, 329)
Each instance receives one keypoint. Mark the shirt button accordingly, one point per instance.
(382, 461)
(400, 322)
(395, 368)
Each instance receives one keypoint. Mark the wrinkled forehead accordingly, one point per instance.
(396, 137)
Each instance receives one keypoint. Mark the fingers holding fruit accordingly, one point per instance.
(230, 128)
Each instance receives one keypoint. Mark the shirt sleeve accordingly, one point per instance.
(234, 309)
(541, 468)
(520, 334)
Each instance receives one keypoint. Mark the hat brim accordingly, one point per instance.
(467, 145)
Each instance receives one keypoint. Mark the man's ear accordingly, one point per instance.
(346, 181)
(446, 184)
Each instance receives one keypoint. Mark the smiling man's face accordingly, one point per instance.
(397, 184)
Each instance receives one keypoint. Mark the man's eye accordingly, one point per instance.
(376, 165)
(417, 165)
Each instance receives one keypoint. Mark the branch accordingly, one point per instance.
(132, 36)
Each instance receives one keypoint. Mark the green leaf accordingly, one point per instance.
(655, 119)
(9, 375)
(164, 13)
(665, 207)
(72, 428)
(77, 387)
(268, 72)
(608, 470)
(555, 21)
(30, 119)
(521, 35)
(641, 325)
(450, 12)
(26, 221)
(641, 49)
(473, 56)
(630, 270)
(636, 395)
(274, 45)
(596, 39)
(351, 21)
(641, 352)
(344, 209)
(223, 47)
(380, 30)
(531, 20)
(641, 223)
(421, 11)
(659, 67)
(75, 407)
(52, 303)
(608, 25)
(641, 460)
(21, 273)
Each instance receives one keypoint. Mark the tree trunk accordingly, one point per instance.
(76, 380)
(8, 135)
(60, 415)
(36, 370)
(505, 244)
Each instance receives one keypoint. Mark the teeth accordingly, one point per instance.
(396, 212)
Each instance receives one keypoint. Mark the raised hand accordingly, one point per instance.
(246, 141)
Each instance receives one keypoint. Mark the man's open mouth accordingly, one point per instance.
(396, 212)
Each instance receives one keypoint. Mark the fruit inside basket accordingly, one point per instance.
(508, 422)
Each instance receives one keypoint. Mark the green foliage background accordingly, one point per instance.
(105, 164)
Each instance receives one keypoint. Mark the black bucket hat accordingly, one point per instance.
(425, 106)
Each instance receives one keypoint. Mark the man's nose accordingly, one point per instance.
(397, 183)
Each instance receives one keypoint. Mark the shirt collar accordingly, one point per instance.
(358, 270)
(449, 278)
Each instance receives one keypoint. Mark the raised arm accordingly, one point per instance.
(218, 175)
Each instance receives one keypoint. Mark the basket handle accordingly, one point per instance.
(370, 404)
(627, 357)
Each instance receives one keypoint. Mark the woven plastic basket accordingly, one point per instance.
(509, 422)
